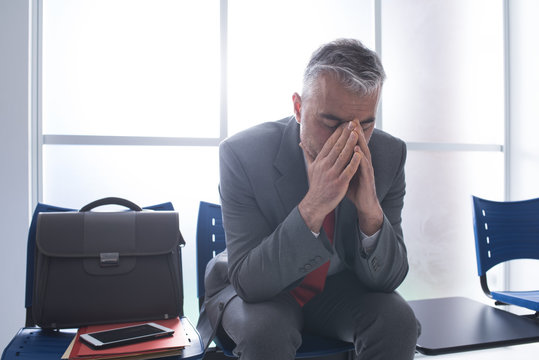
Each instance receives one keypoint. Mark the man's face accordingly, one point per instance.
(327, 107)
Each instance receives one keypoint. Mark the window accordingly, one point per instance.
(444, 96)
(136, 96)
(130, 103)
(131, 68)
(269, 44)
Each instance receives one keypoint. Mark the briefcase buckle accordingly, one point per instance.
(109, 259)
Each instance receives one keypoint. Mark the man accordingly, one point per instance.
(312, 214)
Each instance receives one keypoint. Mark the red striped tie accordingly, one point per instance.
(313, 283)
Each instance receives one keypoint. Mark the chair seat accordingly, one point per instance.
(527, 299)
(33, 343)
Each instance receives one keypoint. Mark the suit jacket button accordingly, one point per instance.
(308, 266)
(221, 305)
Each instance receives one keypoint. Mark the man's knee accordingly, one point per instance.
(399, 316)
(268, 329)
(391, 331)
(263, 330)
(267, 338)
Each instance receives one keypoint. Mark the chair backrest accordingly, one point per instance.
(505, 231)
(210, 240)
(30, 251)
(31, 245)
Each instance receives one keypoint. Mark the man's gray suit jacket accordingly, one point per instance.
(269, 247)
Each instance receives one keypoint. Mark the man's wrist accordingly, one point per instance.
(310, 216)
(369, 224)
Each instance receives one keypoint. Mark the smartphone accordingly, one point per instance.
(125, 335)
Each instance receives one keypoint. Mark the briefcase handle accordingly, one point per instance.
(111, 201)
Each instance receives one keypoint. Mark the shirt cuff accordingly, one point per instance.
(369, 242)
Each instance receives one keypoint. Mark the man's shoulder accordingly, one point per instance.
(266, 130)
(388, 152)
(265, 136)
(385, 142)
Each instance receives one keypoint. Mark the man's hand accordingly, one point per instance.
(362, 190)
(330, 174)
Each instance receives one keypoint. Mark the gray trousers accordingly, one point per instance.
(381, 325)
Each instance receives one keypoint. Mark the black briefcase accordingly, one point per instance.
(106, 267)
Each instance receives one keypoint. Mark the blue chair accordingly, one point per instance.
(33, 342)
(210, 242)
(506, 231)
(30, 252)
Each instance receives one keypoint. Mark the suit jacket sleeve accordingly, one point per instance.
(267, 250)
(386, 266)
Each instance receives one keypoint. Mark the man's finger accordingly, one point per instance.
(345, 153)
(343, 147)
(330, 142)
(351, 169)
(362, 142)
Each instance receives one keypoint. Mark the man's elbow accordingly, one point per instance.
(387, 280)
(393, 282)
(247, 289)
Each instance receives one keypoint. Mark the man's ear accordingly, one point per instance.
(296, 99)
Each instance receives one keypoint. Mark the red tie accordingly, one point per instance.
(314, 282)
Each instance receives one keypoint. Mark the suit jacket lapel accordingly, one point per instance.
(293, 184)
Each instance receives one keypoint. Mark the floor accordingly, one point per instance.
(516, 352)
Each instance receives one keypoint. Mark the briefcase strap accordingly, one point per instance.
(111, 201)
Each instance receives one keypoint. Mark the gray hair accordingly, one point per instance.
(358, 68)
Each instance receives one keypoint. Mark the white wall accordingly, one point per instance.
(14, 157)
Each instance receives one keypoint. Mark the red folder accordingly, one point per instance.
(166, 346)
